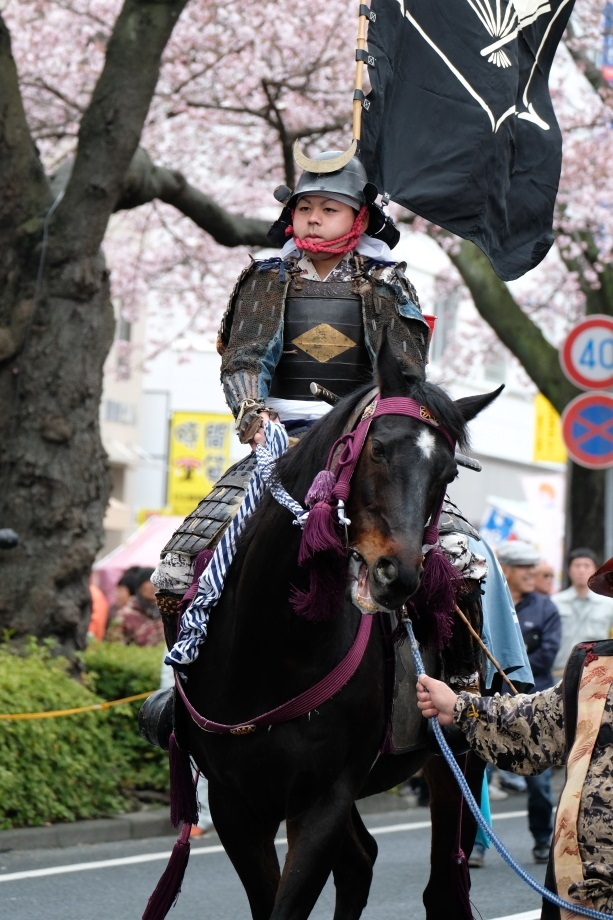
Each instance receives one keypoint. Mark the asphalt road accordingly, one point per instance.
(113, 881)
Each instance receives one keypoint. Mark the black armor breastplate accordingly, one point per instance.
(323, 340)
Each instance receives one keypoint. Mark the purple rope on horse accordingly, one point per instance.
(433, 604)
(168, 888)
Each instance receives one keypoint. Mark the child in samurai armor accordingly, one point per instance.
(315, 313)
(570, 723)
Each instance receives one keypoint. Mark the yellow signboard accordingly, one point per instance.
(199, 454)
(548, 444)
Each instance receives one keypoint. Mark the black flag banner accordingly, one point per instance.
(459, 126)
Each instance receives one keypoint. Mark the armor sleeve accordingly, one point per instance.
(251, 334)
(395, 276)
(395, 306)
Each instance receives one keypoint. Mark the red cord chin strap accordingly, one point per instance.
(339, 246)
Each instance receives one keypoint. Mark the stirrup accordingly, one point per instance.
(156, 718)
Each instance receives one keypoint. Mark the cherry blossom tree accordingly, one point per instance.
(179, 114)
(157, 129)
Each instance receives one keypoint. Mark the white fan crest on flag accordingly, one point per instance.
(503, 24)
(505, 21)
(517, 15)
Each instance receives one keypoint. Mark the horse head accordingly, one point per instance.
(400, 480)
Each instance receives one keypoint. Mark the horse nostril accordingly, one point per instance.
(386, 571)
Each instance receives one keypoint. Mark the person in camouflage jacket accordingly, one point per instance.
(570, 723)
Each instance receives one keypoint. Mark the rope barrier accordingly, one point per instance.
(20, 716)
(571, 906)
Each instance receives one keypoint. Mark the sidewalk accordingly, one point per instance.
(139, 825)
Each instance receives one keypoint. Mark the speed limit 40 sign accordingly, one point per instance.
(587, 354)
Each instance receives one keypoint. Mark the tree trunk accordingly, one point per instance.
(56, 328)
(585, 509)
(56, 480)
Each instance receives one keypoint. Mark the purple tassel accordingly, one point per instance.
(433, 603)
(168, 888)
(321, 488)
(324, 599)
(183, 799)
(321, 552)
(321, 534)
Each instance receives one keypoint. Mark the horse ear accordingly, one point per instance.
(392, 377)
(471, 406)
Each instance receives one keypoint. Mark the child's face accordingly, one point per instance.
(320, 218)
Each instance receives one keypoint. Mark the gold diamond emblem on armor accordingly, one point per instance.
(323, 342)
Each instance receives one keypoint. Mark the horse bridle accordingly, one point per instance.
(345, 452)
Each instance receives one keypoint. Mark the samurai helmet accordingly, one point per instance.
(348, 185)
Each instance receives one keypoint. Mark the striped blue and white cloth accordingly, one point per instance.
(195, 620)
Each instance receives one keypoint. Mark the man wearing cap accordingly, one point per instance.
(569, 724)
(584, 614)
(541, 629)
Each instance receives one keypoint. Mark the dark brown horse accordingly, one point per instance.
(310, 770)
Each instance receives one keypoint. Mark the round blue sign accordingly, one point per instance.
(587, 429)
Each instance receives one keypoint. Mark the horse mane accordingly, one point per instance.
(297, 468)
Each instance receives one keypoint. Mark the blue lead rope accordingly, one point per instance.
(470, 800)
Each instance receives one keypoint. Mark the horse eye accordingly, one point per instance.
(376, 450)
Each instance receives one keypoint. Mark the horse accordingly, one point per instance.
(309, 769)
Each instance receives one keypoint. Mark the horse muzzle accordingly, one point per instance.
(385, 585)
(392, 583)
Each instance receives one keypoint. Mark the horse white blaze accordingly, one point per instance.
(426, 443)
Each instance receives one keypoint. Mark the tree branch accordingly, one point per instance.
(588, 265)
(23, 186)
(515, 330)
(588, 67)
(145, 182)
(112, 125)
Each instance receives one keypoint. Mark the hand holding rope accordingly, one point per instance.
(571, 906)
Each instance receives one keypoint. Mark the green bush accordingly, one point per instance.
(87, 765)
(114, 671)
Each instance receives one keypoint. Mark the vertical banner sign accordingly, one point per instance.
(548, 442)
(199, 454)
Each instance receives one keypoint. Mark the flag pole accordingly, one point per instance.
(325, 166)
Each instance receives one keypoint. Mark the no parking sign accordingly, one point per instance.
(587, 429)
